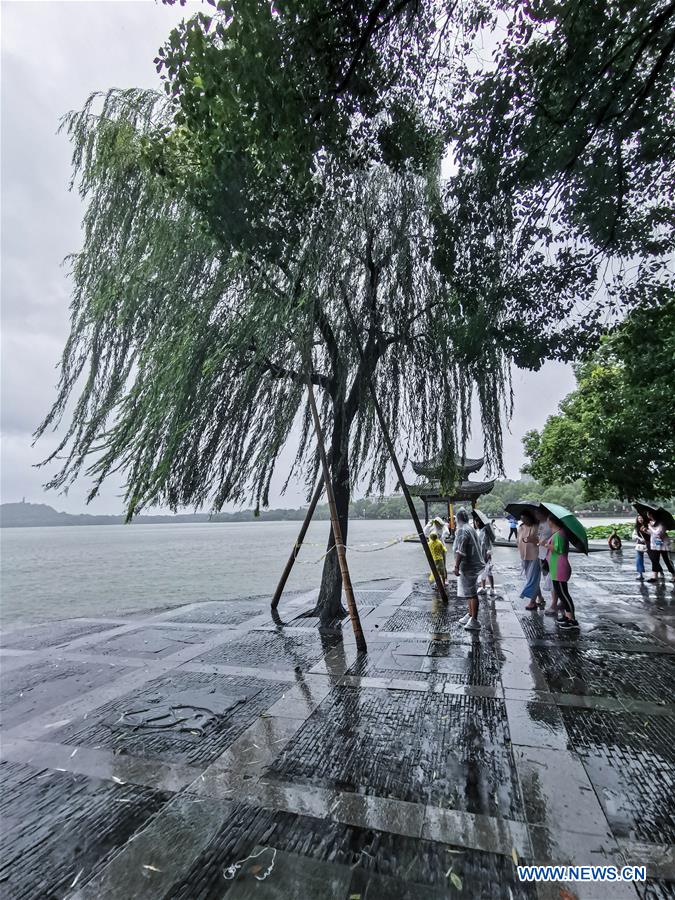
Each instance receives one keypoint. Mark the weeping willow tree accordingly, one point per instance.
(189, 361)
(237, 225)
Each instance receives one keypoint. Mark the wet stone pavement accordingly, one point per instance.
(211, 751)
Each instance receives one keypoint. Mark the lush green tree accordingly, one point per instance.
(575, 118)
(615, 431)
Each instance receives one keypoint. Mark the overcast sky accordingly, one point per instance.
(54, 54)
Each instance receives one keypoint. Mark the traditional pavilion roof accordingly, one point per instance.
(431, 468)
(467, 490)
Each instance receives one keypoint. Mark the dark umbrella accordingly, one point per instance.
(644, 508)
(575, 530)
(519, 506)
(661, 515)
(481, 517)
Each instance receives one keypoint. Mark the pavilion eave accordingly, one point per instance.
(430, 468)
(467, 491)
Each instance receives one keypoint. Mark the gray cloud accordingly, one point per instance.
(53, 56)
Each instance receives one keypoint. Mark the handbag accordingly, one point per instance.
(544, 567)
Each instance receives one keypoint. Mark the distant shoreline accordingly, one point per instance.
(40, 515)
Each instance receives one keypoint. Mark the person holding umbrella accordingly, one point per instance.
(659, 543)
(544, 534)
(655, 522)
(528, 541)
(641, 537)
(565, 527)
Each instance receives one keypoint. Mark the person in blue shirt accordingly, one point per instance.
(513, 526)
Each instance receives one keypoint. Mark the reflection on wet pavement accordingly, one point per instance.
(421, 747)
(56, 825)
(229, 753)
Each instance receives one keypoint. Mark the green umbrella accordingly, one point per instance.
(575, 530)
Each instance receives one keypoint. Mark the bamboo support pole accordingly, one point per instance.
(440, 584)
(337, 531)
(316, 496)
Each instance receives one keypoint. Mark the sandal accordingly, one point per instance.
(530, 606)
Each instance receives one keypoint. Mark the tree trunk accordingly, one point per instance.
(329, 604)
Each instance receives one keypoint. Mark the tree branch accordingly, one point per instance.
(326, 329)
(278, 371)
(397, 336)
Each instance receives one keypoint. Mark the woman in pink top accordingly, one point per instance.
(528, 547)
(561, 571)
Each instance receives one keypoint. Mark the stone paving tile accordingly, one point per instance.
(440, 749)
(38, 686)
(55, 634)
(99, 763)
(287, 875)
(184, 717)
(151, 642)
(599, 631)
(630, 590)
(379, 584)
(270, 650)
(535, 724)
(559, 796)
(471, 663)
(438, 619)
(304, 621)
(659, 859)
(370, 598)
(234, 612)
(656, 889)
(424, 596)
(585, 670)
(630, 760)
(58, 827)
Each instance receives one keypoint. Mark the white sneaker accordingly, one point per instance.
(472, 625)
(464, 619)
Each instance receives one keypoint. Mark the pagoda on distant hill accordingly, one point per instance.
(465, 491)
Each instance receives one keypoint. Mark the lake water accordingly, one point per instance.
(59, 572)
